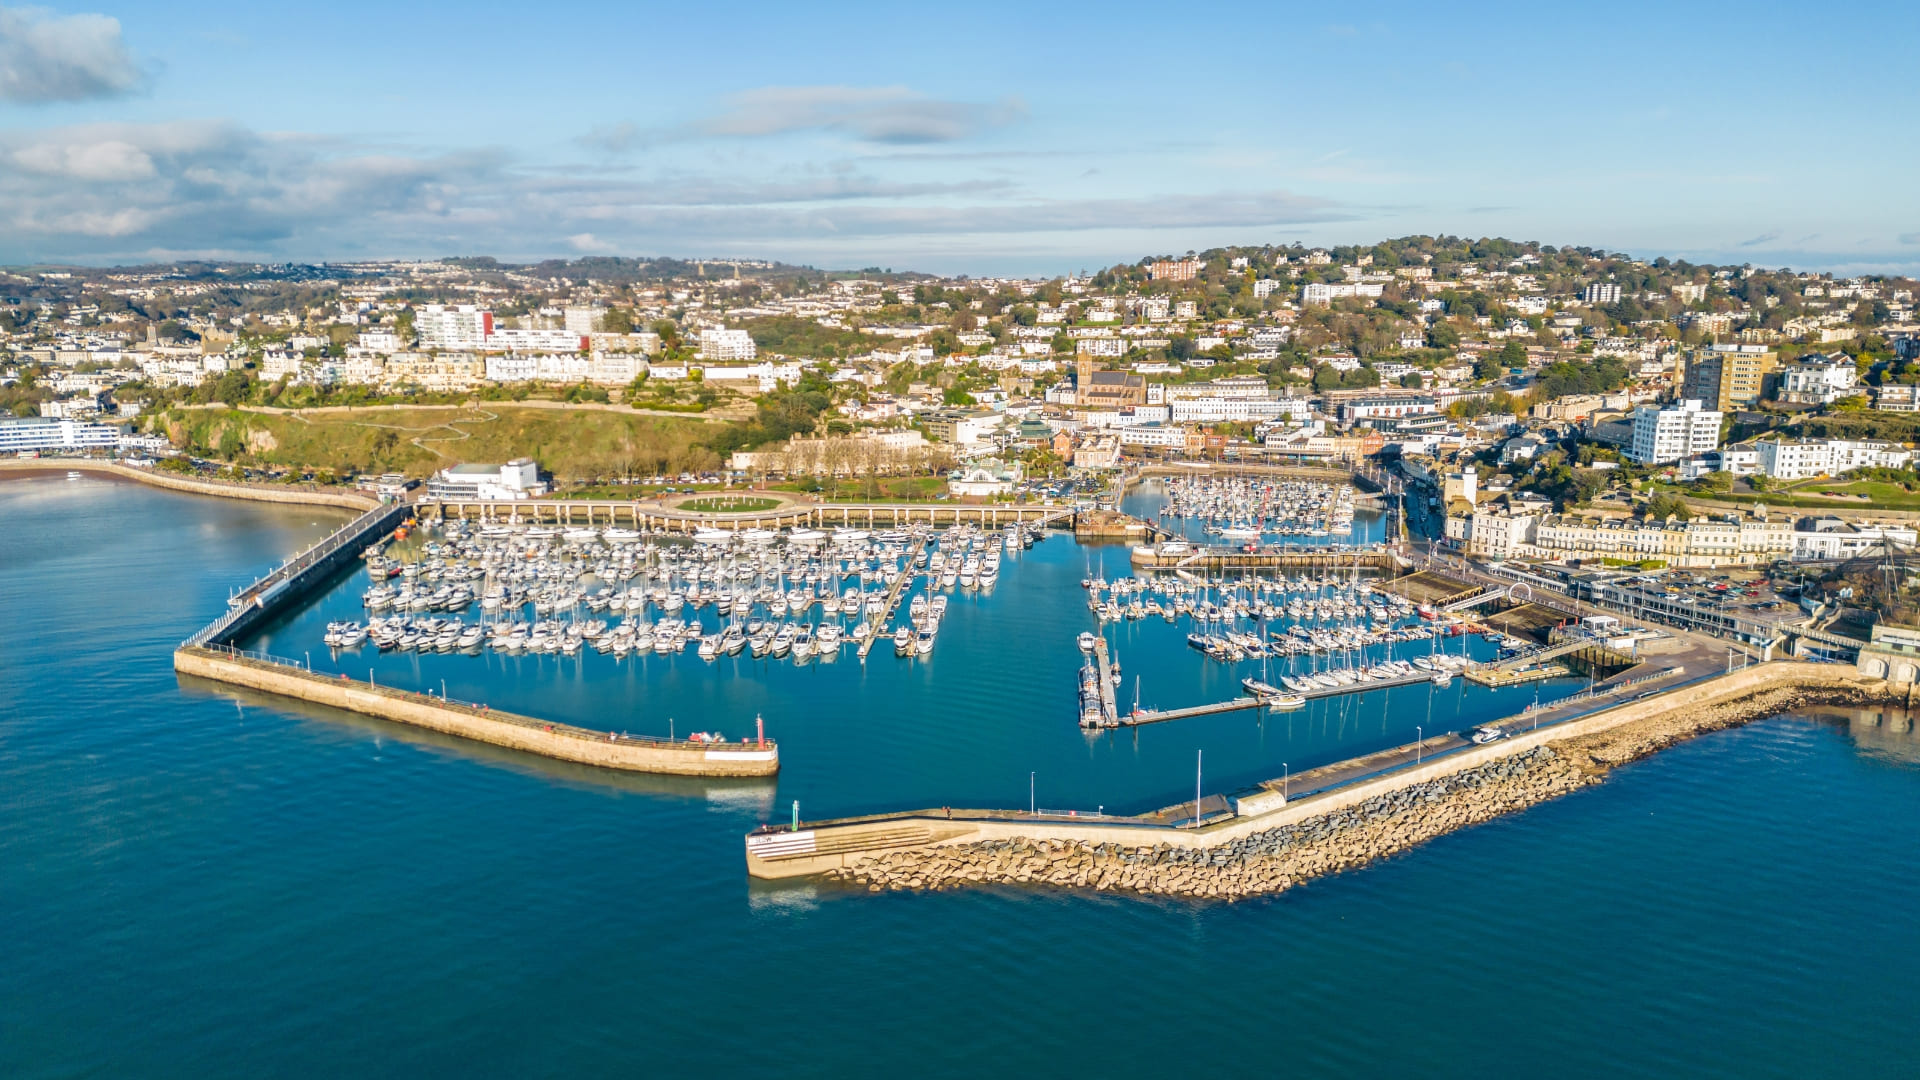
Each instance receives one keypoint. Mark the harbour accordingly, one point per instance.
(329, 841)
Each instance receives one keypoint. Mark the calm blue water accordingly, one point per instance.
(194, 883)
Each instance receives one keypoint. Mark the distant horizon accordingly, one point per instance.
(1055, 268)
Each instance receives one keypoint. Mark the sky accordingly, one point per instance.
(980, 138)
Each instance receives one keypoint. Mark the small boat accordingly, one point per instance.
(1484, 735)
(1261, 690)
(1086, 641)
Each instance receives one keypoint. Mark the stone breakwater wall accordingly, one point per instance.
(562, 742)
(252, 492)
(1344, 838)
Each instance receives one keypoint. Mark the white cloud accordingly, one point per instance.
(886, 114)
(46, 57)
(118, 192)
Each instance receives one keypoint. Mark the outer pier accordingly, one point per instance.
(824, 846)
(479, 723)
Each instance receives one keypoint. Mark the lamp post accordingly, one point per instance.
(1286, 781)
(1420, 733)
(1033, 806)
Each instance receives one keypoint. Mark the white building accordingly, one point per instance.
(1154, 435)
(1215, 409)
(40, 435)
(1673, 433)
(1603, 292)
(537, 341)
(1824, 539)
(1103, 346)
(1818, 381)
(443, 326)
(582, 320)
(724, 345)
(766, 375)
(1322, 293)
(517, 479)
(1786, 459)
(380, 341)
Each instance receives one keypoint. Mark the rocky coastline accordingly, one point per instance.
(1275, 860)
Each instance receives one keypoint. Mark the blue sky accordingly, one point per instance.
(981, 138)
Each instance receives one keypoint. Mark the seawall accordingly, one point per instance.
(255, 492)
(562, 742)
(1270, 842)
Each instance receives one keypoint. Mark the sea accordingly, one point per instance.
(196, 881)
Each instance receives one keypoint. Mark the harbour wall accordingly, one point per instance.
(290, 582)
(274, 493)
(562, 742)
(1271, 842)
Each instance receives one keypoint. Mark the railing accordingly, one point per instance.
(237, 605)
(333, 542)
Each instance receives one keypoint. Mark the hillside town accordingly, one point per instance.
(1554, 404)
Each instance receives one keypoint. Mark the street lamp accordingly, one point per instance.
(1421, 733)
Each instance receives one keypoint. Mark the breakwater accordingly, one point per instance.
(563, 742)
(306, 495)
(289, 582)
(1271, 843)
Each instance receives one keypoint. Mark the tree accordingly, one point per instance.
(1062, 343)
(1412, 380)
(617, 321)
(1325, 378)
(1663, 506)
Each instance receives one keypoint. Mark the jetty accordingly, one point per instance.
(878, 619)
(1103, 675)
(1140, 717)
(1211, 560)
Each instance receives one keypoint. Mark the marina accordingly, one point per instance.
(328, 841)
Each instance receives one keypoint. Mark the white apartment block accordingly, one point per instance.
(536, 341)
(1673, 433)
(1264, 288)
(1827, 539)
(582, 320)
(721, 346)
(1785, 459)
(1106, 347)
(1155, 436)
(37, 435)
(443, 326)
(1820, 382)
(1603, 292)
(1323, 293)
(1217, 410)
(766, 375)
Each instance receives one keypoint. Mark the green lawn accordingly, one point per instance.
(881, 489)
(728, 504)
(1879, 495)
